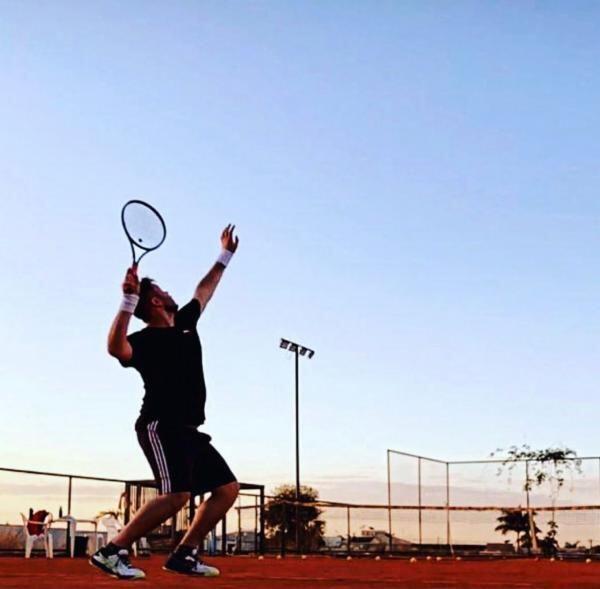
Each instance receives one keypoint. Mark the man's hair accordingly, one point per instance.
(142, 310)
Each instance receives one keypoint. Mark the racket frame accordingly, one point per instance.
(132, 241)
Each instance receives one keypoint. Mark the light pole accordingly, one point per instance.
(298, 350)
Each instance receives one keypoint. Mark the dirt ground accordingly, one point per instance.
(313, 572)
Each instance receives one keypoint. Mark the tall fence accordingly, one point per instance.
(459, 503)
(86, 498)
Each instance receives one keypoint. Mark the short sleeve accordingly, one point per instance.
(136, 343)
(188, 315)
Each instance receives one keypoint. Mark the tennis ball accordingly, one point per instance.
(588, 560)
(428, 558)
(438, 558)
(458, 558)
(552, 559)
(378, 558)
(303, 557)
(348, 558)
(413, 559)
(279, 556)
(260, 557)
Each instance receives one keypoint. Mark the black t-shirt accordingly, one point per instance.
(170, 362)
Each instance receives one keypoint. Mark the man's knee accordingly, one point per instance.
(178, 500)
(229, 491)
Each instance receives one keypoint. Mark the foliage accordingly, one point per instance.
(549, 465)
(283, 518)
(549, 544)
(111, 512)
(517, 521)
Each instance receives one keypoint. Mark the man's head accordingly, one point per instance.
(154, 302)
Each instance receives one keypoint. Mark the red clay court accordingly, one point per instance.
(318, 572)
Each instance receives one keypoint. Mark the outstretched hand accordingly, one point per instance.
(228, 241)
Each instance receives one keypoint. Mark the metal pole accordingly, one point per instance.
(448, 505)
(127, 506)
(420, 515)
(70, 548)
(224, 536)
(389, 492)
(262, 521)
(283, 528)
(348, 528)
(255, 524)
(70, 492)
(297, 454)
(239, 542)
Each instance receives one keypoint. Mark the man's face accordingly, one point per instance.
(165, 298)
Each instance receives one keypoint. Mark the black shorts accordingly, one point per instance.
(182, 458)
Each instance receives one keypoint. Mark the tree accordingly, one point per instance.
(549, 466)
(549, 544)
(546, 467)
(517, 521)
(281, 520)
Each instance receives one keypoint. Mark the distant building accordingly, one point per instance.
(369, 540)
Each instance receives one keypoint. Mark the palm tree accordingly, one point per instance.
(517, 521)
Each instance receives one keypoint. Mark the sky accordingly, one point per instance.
(415, 188)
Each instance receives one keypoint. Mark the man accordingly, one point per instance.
(168, 355)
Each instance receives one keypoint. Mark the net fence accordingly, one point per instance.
(478, 503)
(83, 502)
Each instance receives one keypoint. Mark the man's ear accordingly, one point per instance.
(156, 301)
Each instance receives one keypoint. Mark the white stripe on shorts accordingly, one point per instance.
(159, 456)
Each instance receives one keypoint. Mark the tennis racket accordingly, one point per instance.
(144, 227)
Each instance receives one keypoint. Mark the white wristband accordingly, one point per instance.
(224, 257)
(129, 303)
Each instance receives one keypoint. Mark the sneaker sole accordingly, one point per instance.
(106, 570)
(188, 574)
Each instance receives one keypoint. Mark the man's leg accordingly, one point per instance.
(152, 514)
(184, 558)
(114, 557)
(210, 512)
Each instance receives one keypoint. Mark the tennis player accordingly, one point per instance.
(168, 355)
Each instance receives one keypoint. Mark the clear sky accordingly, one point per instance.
(416, 189)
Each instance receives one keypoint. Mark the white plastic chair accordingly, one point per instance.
(71, 531)
(113, 527)
(45, 535)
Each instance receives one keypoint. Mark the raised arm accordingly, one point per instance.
(118, 346)
(208, 285)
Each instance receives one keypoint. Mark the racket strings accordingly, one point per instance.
(143, 226)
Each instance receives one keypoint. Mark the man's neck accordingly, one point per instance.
(166, 320)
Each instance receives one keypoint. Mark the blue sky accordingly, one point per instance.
(415, 186)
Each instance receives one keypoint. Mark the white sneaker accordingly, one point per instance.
(117, 565)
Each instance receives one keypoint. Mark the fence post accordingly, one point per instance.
(348, 528)
(262, 521)
(69, 495)
(127, 510)
(224, 535)
(239, 540)
(283, 528)
(389, 494)
(448, 505)
(255, 524)
(420, 513)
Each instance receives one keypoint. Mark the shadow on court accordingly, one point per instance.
(319, 572)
